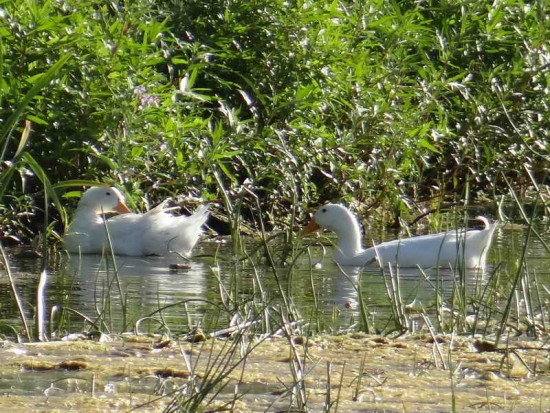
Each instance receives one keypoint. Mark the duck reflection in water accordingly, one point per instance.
(146, 284)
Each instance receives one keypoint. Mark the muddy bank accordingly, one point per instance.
(350, 372)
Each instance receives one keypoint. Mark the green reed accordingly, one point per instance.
(15, 294)
(520, 272)
(263, 315)
(471, 307)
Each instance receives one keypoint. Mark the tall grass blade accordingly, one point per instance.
(24, 138)
(15, 294)
(520, 270)
(48, 187)
(41, 306)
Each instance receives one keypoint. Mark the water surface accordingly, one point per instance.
(114, 295)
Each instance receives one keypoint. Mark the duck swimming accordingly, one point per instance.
(156, 232)
(456, 249)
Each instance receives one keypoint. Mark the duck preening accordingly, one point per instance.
(156, 232)
(457, 249)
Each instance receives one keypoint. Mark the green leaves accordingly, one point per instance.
(305, 101)
(38, 83)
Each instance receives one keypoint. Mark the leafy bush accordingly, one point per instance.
(387, 103)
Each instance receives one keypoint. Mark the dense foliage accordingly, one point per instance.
(296, 102)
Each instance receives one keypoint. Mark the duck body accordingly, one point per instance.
(156, 232)
(455, 249)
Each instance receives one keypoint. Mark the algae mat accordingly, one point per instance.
(348, 373)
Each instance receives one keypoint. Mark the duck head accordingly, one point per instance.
(332, 217)
(339, 219)
(103, 199)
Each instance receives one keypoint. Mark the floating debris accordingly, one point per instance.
(73, 365)
(484, 345)
(179, 267)
(170, 372)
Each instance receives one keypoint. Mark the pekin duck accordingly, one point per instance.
(457, 249)
(156, 232)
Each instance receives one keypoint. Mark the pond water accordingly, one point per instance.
(167, 293)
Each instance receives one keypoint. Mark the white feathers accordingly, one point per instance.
(156, 232)
(456, 249)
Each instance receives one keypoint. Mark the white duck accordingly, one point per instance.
(456, 249)
(156, 232)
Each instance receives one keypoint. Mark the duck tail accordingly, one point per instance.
(486, 223)
(201, 213)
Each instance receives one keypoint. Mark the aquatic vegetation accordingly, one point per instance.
(258, 323)
(150, 373)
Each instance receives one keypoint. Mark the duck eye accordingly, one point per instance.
(324, 210)
(108, 193)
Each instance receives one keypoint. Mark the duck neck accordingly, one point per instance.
(349, 236)
(88, 216)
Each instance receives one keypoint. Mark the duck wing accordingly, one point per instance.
(156, 232)
(460, 248)
(127, 232)
(169, 233)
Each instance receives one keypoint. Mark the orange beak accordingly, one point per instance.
(121, 208)
(311, 227)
